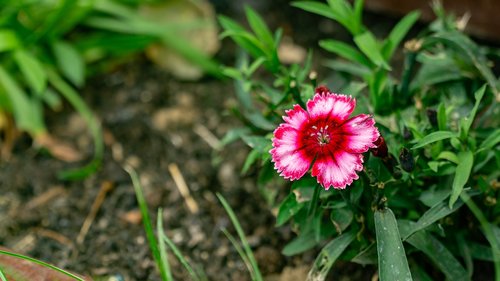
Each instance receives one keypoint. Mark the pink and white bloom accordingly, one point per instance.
(324, 137)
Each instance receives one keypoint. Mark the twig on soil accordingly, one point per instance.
(208, 136)
(183, 188)
(55, 236)
(45, 197)
(105, 188)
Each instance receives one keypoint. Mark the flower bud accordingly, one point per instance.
(406, 160)
(381, 148)
(432, 116)
(407, 134)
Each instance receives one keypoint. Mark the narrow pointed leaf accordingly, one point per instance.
(32, 70)
(439, 255)
(464, 167)
(368, 44)
(392, 263)
(434, 137)
(328, 255)
(398, 33)
(345, 51)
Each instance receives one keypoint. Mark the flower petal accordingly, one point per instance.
(337, 169)
(289, 159)
(296, 117)
(331, 106)
(359, 134)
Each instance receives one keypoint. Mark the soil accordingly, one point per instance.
(152, 121)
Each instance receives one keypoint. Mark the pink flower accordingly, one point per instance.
(325, 137)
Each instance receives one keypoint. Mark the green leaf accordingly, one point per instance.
(70, 62)
(398, 33)
(345, 51)
(244, 39)
(434, 137)
(260, 28)
(244, 242)
(431, 216)
(288, 208)
(348, 67)
(341, 219)
(441, 117)
(27, 112)
(148, 228)
(464, 167)
(163, 262)
(303, 242)
(32, 70)
(258, 143)
(94, 127)
(448, 155)
(328, 255)
(316, 8)
(478, 95)
(368, 44)
(8, 40)
(492, 140)
(367, 256)
(392, 263)
(439, 255)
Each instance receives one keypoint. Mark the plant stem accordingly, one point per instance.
(314, 201)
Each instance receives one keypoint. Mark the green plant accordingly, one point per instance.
(48, 47)
(160, 244)
(438, 151)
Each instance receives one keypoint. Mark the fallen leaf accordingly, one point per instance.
(17, 269)
(58, 148)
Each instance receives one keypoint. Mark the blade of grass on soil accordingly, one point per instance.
(248, 251)
(39, 262)
(194, 276)
(153, 244)
(77, 102)
(161, 244)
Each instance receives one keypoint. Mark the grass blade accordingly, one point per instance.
(240, 251)
(95, 129)
(180, 257)
(329, 254)
(39, 262)
(241, 234)
(462, 173)
(392, 263)
(153, 244)
(161, 245)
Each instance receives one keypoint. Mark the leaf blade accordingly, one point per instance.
(392, 263)
(464, 168)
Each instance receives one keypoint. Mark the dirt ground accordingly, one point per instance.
(152, 121)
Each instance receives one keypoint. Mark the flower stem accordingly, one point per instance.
(314, 201)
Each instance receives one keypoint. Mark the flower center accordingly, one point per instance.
(322, 135)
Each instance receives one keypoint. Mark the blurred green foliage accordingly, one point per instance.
(48, 47)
